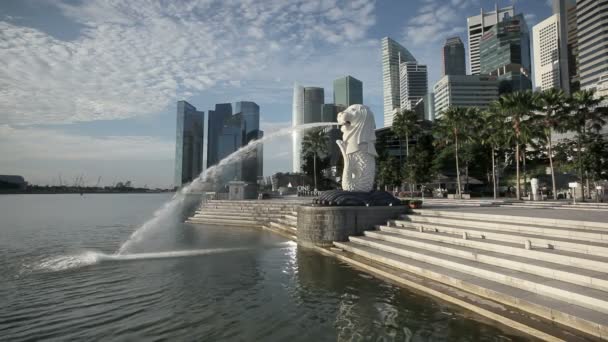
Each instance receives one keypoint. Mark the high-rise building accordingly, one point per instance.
(464, 91)
(453, 57)
(229, 131)
(215, 124)
(504, 51)
(413, 84)
(307, 108)
(250, 130)
(393, 54)
(592, 30)
(572, 46)
(189, 143)
(546, 38)
(554, 37)
(348, 91)
(479, 24)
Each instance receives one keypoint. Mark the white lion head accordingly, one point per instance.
(358, 127)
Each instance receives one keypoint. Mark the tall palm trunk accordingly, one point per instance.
(457, 167)
(517, 189)
(551, 165)
(407, 161)
(580, 164)
(493, 174)
(314, 164)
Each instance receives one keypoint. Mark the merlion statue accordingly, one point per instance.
(359, 151)
(358, 147)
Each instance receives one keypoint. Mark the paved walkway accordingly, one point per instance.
(563, 214)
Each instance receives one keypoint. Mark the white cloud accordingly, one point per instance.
(135, 58)
(18, 143)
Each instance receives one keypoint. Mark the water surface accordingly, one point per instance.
(57, 282)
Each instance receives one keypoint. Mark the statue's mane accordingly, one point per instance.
(363, 129)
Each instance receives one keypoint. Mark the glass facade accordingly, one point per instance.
(592, 30)
(505, 53)
(348, 91)
(453, 57)
(477, 26)
(189, 143)
(307, 108)
(393, 54)
(413, 84)
(217, 117)
(232, 126)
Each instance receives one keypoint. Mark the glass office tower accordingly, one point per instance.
(348, 91)
(393, 54)
(189, 143)
(307, 108)
(453, 57)
(217, 117)
(249, 113)
(504, 52)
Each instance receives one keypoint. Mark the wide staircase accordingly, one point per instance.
(555, 269)
(279, 216)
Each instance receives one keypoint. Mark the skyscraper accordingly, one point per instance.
(572, 46)
(217, 118)
(393, 55)
(477, 25)
(548, 69)
(413, 84)
(189, 143)
(229, 131)
(307, 108)
(453, 57)
(504, 52)
(592, 41)
(348, 91)
(249, 113)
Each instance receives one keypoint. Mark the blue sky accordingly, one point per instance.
(89, 87)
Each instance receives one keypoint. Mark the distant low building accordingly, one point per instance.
(12, 182)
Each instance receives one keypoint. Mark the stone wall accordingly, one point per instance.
(321, 226)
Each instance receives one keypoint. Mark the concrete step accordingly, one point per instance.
(223, 221)
(567, 292)
(237, 213)
(522, 262)
(282, 226)
(246, 208)
(588, 320)
(528, 228)
(286, 222)
(577, 224)
(569, 233)
(286, 233)
(544, 241)
(580, 260)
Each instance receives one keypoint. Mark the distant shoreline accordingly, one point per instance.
(81, 192)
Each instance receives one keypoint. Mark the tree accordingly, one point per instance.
(421, 167)
(518, 108)
(492, 133)
(451, 126)
(388, 174)
(585, 115)
(553, 102)
(405, 125)
(315, 143)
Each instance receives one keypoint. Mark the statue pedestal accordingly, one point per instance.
(236, 190)
(321, 226)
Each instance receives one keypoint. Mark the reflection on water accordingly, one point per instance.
(259, 288)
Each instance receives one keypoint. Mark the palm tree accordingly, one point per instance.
(552, 102)
(585, 115)
(518, 108)
(405, 124)
(315, 142)
(451, 126)
(491, 133)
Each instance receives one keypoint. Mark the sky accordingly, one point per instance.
(88, 88)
